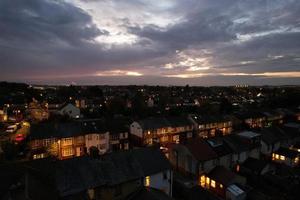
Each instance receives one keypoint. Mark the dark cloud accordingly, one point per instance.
(40, 38)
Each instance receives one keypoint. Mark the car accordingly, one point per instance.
(19, 138)
(11, 129)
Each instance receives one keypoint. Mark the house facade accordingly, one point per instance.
(161, 130)
(67, 140)
(211, 126)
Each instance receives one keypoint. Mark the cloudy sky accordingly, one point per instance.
(177, 42)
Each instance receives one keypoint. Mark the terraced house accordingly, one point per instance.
(161, 130)
(66, 140)
(208, 126)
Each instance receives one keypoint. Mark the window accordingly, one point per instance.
(296, 160)
(165, 175)
(147, 181)
(67, 141)
(282, 157)
(176, 139)
(67, 152)
(126, 146)
(202, 181)
(213, 183)
(237, 168)
(90, 137)
(221, 186)
(207, 181)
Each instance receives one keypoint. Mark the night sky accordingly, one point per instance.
(166, 42)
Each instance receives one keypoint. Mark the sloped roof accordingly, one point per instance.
(237, 144)
(161, 122)
(75, 175)
(200, 149)
(65, 129)
(221, 175)
(203, 119)
(272, 135)
(220, 147)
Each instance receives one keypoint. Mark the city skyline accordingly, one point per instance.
(149, 42)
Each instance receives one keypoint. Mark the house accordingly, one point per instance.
(65, 140)
(69, 110)
(243, 145)
(38, 111)
(194, 157)
(115, 176)
(210, 126)
(223, 151)
(253, 166)
(156, 168)
(3, 115)
(81, 103)
(271, 139)
(253, 119)
(161, 130)
(292, 130)
(223, 183)
(118, 128)
(273, 118)
(286, 156)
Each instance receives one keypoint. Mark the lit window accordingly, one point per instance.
(277, 156)
(238, 168)
(221, 186)
(67, 152)
(273, 156)
(202, 181)
(207, 181)
(213, 183)
(282, 157)
(147, 181)
(296, 160)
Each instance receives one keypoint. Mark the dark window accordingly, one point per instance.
(165, 175)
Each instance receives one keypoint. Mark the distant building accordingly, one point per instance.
(69, 110)
(161, 130)
(38, 111)
(208, 126)
(3, 115)
(252, 119)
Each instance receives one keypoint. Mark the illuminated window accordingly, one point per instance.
(277, 156)
(147, 181)
(238, 168)
(282, 157)
(67, 152)
(273, 156)
(296, 160)
(221, 186)
(207, 182)
(67, 141)
(213, 183)
(202, 181)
